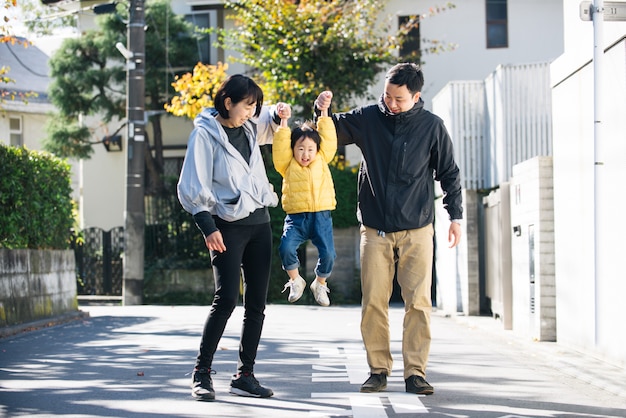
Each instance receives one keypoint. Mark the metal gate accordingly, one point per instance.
(99, 262)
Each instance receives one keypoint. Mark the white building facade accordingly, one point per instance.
(588, 182)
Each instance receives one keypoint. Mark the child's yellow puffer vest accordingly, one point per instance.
(306, 189)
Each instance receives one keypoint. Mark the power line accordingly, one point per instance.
(17, 58)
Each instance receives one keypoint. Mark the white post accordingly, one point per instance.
(599, 153)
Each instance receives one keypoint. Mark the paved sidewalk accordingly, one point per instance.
(135, 361)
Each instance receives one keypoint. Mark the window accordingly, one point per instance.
(15, 131)
(205, 19)
(410, 47)
(497, 24)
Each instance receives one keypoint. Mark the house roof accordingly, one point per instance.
(28, 68)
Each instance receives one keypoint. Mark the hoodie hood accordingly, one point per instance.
(206, 120)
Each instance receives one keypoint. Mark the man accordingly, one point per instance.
(404, 147)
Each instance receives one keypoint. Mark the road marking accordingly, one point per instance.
(349, 359)
(372, 405)
(406, 403)
(349, 364)
(367, 407)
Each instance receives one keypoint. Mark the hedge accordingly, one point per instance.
(36, 209)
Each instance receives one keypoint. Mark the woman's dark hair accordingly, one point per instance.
(406, 74)
(306, 130)
(238, 87)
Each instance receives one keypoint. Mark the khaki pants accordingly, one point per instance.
(413, 251)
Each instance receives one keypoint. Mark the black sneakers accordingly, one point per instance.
(247, 385)
(375, 383)
(417, 384)
(202, 384)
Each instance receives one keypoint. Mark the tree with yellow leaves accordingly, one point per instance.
(196, 90)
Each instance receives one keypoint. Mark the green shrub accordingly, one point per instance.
(35, 200)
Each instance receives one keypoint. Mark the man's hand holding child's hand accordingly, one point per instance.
(323, 101)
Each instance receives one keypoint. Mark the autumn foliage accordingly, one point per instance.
(196, 90)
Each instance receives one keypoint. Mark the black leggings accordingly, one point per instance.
(248, 253)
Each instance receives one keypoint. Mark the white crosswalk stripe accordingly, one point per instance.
(349, 364)
(369, 405)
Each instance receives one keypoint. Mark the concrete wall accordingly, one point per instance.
(497, 254)
(36, 284)
(458, 273)
(344, 283)
(162, 282)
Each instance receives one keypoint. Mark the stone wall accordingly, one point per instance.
(36, 284)
(164, 282)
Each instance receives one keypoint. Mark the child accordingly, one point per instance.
(302, 159)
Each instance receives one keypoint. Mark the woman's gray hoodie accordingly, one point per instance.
(215, 178)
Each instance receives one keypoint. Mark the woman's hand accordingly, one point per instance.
(284, 113)
(215, 242)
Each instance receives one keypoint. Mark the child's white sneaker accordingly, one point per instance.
(296, 289)
(320, 292)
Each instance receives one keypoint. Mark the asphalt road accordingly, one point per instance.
(136, 361)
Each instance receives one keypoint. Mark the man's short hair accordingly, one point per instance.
(406, 74)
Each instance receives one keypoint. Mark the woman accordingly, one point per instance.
(223, 184)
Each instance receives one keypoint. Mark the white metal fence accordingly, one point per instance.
(498, 122)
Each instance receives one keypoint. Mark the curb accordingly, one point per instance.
(10, 331)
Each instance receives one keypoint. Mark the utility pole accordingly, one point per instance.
(134, 215)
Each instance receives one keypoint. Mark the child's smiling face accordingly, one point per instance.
(305, 151)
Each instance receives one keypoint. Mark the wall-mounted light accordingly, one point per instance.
(113, 143)
(517, 230)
